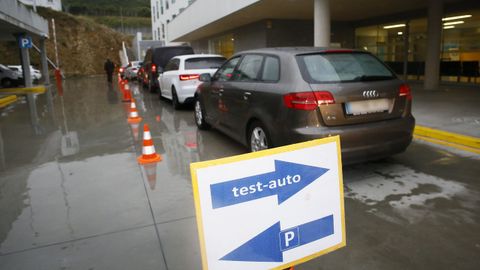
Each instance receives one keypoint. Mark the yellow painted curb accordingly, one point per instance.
(24, 90)
(5, 101)
(449, 138)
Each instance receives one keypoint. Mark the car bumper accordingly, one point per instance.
(186, 92)
(363, 142)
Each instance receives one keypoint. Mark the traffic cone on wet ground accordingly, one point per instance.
(134, 127)
(148, 150)
(133, 113)
(127, 97)
(151, 173)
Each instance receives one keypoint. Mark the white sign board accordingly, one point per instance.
(270, 209)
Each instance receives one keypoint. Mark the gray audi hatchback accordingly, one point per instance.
(277, 96)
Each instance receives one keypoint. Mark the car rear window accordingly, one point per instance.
(204, 63)
(342, 67)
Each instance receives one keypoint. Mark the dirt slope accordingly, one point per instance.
(83, 45)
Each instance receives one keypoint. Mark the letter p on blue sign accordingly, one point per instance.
(26, 42)
(289, 238)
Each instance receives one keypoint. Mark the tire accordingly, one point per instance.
(7, 83)
(258, 137)
(175, 103)
(199, 115)
(151, 86)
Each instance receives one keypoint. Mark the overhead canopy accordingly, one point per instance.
(16, 18)
(201, 20)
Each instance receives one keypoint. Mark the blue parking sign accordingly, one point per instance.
(25, 42)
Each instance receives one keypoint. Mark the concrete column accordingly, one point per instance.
(321, 23)
(45, 75)
(406, 47)
(434, 36)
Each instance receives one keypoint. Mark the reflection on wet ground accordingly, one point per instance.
(72, 195)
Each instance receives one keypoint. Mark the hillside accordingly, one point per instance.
(83, 45)
(133, 8)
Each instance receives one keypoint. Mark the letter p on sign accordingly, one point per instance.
(26, 42)
(289, 238)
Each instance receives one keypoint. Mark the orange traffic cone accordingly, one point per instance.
(151, 173)
(126, 93)
(148, 150)
(133, 114)
(134, 127)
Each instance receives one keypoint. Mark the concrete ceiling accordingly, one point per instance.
(15, 18)
(341, 10)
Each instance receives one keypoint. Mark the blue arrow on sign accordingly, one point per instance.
(287, 179)
(269, 245)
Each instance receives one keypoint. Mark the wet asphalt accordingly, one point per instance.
(73, 196)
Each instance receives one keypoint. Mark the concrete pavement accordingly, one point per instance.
(73, 196)
(449, 116)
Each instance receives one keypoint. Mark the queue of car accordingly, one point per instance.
(272, 97)
(12, 75)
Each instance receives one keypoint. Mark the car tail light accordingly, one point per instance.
(308, 100)
(186, 77)
(405, 91)
(154, 68)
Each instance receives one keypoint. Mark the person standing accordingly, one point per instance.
(109, 67)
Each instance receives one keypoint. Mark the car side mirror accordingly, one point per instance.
(205, 77)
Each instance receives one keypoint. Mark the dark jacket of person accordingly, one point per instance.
(109, 66)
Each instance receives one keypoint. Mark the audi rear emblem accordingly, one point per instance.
(370, 94)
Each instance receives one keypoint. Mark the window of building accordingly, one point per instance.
(166, 4)
(223, 45)
(163, 31)
(460, 49)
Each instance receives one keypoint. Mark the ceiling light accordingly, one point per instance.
(449, 27)
(456, 17)
(394, 26)
(399, 33)
(452, 23)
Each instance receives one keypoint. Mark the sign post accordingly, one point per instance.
(270, 209)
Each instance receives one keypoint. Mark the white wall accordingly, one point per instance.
(204, 12)
(158, 18)
(53, 4)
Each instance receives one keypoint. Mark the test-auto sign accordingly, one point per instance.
(270, 209)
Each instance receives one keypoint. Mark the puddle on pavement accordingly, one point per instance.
(410, 194)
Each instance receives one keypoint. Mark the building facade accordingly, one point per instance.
(163, 12)
(53, 4)
(396, 31)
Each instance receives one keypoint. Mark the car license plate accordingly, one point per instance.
(367, 106)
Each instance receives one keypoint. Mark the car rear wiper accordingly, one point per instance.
(365, 78)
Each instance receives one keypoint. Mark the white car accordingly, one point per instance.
(179, 80)
(35, 73)
(8, 77)
(132, 69)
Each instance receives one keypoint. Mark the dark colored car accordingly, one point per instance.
(155, 61)
(271, 97)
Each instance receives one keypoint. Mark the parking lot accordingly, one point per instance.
(72, 195)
